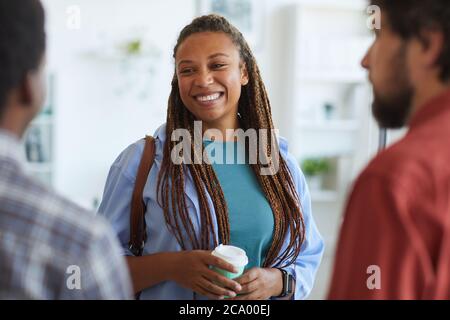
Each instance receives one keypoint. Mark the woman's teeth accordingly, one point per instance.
(211, 97)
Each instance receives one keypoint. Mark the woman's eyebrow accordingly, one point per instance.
(184, 61)
(215, 55)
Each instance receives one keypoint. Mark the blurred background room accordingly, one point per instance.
(110, 67)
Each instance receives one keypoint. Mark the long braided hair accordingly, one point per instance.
(279, 189)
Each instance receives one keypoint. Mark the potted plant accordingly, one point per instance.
(314, 170)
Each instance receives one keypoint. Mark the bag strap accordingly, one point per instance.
(138, 230)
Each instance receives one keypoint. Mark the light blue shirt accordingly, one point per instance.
(115, 207)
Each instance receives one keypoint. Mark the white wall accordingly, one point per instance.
(272, 57)
(93, 123)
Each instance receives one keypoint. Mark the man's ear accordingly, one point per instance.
(25, 90)
(32, 89)
(244, 75)
(432, 46)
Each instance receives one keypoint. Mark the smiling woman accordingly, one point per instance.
(193, 207)
(210, 76)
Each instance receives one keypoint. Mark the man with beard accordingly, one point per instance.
(395, 237)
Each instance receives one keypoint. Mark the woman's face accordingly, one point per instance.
(210, 76)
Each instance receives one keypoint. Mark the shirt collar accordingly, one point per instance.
(11, 147)
(431, 109)
(160, 133)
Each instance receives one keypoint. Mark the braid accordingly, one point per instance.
(279, 189)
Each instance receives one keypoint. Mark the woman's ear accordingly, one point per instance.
(244, 75)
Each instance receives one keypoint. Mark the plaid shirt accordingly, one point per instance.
(49, 247)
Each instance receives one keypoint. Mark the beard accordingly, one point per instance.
(392, 109)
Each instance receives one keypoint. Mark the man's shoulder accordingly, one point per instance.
(47, 238)
(403, 162)
(41, 214)
(81, 227)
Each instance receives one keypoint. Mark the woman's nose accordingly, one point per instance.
(204, 78)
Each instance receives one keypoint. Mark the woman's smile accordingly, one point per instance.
(209, 99)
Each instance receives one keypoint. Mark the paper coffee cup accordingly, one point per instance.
(233, 255)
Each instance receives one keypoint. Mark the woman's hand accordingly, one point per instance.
(260, 284)
(191, 270)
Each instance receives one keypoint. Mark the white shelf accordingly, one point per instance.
(40, 167)
(326, 154)
(356, 5)
(324, 196)
(42, 120)
(329, 125)
(308, 79)
(324, 141)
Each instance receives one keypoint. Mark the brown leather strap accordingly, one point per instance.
(138, 234)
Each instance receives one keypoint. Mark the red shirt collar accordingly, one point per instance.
(431, 109)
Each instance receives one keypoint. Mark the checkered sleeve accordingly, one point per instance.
(103, 272)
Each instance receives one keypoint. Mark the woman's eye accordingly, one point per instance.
(218, 65)
(187, 71)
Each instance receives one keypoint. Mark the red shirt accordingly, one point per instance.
(395, 238)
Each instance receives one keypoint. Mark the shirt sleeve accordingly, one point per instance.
(376, 254)
(101, 273)
(308, 261)
(117, 195)
(107, 276)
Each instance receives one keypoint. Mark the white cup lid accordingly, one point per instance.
(231, 254)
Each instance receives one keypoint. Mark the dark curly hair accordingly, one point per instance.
(22, 42)
(409, 18)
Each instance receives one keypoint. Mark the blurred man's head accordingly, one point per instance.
(22, 51)
(409, 58)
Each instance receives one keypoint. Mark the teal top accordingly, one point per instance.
(250, 215)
